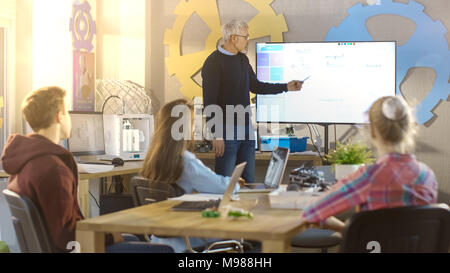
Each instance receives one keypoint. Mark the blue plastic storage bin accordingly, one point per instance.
(268, 143)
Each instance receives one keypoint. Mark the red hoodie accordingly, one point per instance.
(47, 174)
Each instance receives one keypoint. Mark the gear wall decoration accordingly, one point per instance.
(83, 27)
(265, 23)
(427, 47)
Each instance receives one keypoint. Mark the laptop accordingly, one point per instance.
(226, 199)
(274, 174)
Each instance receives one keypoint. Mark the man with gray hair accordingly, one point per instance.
(227, 79)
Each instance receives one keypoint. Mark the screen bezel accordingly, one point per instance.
(316, 42)
(286, 159)
(85, 153)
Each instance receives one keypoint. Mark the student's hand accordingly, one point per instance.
(241, 182)
(334, 224)
(218, 147)
(295, 85)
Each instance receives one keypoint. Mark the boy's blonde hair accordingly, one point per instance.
(393, 120)
(40, 107)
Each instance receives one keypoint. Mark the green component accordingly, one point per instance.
(4, 248)
(210, 214)
(240, 214)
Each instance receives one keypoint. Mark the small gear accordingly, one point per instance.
(83, 27)
(265, 23)
(427, 47)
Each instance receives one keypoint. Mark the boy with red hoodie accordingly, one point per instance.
(47, 173)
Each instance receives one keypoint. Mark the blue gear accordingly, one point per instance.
(427, 47)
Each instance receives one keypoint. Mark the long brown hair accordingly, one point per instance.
(164, 159)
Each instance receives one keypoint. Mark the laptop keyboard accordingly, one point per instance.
(197, 205)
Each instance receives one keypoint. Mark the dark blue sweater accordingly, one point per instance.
(227, 80)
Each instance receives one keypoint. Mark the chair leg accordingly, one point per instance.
(188, 245)
(233, 245)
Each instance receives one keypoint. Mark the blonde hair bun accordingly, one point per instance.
(394, 108)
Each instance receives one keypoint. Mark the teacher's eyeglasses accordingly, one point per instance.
(247, 37)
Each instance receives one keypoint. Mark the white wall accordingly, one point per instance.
(121, 40)
(52, 45)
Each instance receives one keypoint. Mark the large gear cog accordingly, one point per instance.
(83, 27)
(265, 23)
(427, 47)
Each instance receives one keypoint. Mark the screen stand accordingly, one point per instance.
(325, 144)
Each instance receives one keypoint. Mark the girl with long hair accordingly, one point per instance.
(168, 160)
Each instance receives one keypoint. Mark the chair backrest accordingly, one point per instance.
(418, 229)
(31, 231)
(146, 192)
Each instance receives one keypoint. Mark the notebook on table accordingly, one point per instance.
(226, 198)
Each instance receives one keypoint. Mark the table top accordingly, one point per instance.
(129, 168)
(158, 218)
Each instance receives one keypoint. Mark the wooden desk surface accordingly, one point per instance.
(273, 227)
(129, 168)
(3, 174)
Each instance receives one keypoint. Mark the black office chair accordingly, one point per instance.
(142, 194)
(317, 238)
(419, 229)
(145, 192)
(321, 238)
(30, 227)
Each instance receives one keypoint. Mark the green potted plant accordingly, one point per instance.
(347, 158)
(4, 247)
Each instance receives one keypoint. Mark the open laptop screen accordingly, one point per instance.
(276, 167)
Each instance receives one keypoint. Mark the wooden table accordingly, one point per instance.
(273, 227)
(128, 168)
(132, 167)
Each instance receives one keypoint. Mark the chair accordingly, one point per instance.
(32, 233)
(317, 238)
(29, 225)
(144, 194)
(418, 229)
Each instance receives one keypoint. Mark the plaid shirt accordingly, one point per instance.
(394, 180)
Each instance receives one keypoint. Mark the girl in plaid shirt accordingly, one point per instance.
(396, 179)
